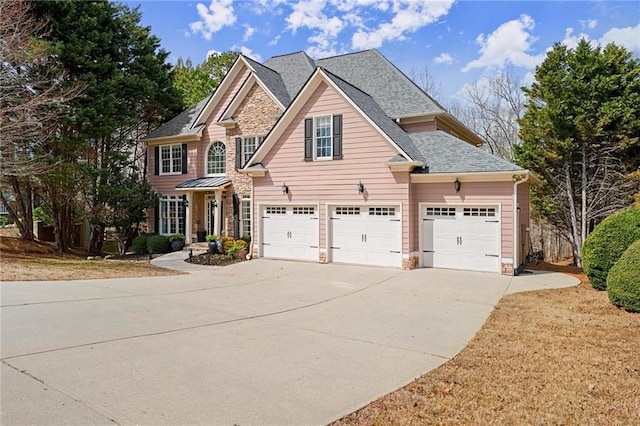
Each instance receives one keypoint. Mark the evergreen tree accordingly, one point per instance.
(580, 134)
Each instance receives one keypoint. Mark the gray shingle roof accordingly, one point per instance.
(181, 124)
(295, 69)
(445, 153)
(272, 80)
(206, 182)
(368, 105)
(372, 73)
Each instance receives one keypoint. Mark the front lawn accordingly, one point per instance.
(545, 357)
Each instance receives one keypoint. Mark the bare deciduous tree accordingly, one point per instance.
(425, 80)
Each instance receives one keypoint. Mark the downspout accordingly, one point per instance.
(253, 224)
(517, 180)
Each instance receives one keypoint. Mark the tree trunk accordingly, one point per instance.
(583, 221)
(22, 210)
(97, 240)
(574, 234)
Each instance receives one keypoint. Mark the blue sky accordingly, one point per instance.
(459, 41)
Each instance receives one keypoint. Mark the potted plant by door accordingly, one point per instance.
(177, 241)
(213, 244)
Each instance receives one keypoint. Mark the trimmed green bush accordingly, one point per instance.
(158, 244)
(139, 243)
(607, 242)
(623, 281)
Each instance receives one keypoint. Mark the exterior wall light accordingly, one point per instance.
(456, 185)
(285, 188)
(185, 202)
(360, 187)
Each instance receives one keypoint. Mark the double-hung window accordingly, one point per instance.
(245, 215)
(249, 146)
(170, 159)
(322, 137)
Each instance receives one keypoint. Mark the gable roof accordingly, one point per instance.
(369, 106)
(445, 153)
(272, 80)
(180, 125)
(294, 68)
(371, 72)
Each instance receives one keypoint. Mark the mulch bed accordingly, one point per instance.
(212, 259)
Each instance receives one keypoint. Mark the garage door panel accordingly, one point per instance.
(290, 232)
(461, 237)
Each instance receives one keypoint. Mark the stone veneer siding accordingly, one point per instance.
(255, 116)
(507, 269)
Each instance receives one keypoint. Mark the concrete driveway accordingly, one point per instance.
(260, 342)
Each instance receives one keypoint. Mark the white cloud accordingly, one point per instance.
(628, 37)
(311, 14)
(212, 52)
(570, 40)
(508, 44)
(528, 79)
(249, 31)
(443, 58)
(588, 23)
(218, 15)
(246, 51)
(275, 40)
(409, 16)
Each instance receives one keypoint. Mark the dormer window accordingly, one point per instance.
(216, 159)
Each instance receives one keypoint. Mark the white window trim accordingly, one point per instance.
(259, 139)
(244, 220)
(206, 159)
(315, 138)
(171, 158)
(166, 199)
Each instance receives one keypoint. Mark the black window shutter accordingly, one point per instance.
(156, 216)
(156, 160)
(184, 158)
(308, 139)
(337, 137)
(236, 216)
(238, 153)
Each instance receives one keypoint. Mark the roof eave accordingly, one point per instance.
(403, 166)
(192, 137)
(254, 172)
(498, 176)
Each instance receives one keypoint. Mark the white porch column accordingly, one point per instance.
(217, 219)
(187, 220)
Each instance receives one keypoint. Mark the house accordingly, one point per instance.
(343, 159)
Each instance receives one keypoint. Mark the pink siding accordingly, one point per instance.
(470, 192)
(165, 184)
(425, 126)
(333, 181)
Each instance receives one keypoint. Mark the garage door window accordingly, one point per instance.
(304, 210)
(382, 211)
(441, 211)
(276, 210)
(479, 212)
(347, 211)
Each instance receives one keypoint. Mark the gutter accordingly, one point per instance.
(517, 180)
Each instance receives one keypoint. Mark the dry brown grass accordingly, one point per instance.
(32, 260)
(546, 357)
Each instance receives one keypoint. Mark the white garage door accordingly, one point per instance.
(461, 237)
(290, 232)
(366, 235)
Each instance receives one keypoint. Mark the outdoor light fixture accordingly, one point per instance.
(184, 200)
(360, 187)
(214, 203)
(285, 188)
(456, 185)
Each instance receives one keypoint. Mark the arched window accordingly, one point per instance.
(216, 159)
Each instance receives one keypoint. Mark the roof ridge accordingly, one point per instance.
(261, 64)
(350, 53)
(345, 81)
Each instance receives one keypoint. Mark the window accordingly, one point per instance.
(322, 137)
(276, 210)
(479, 212)
(347, 211)
(249, 146)
(441, 211)
(382, 211)
(304, 210)
(170, 159)
(245, 215)
(171, 215)
(216, 159)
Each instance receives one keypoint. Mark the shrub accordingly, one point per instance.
(139, 243)
(211, 237)
(246, 238)
(237, 246)
(623, 281)
(158, 244)
(227, 243)
(174, 237)
(604, 246)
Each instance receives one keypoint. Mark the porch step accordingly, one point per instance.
(199, 246)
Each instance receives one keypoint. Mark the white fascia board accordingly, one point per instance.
(193, 137)
(254, 172)
(222, 88)
(404, 166)
(505, 176)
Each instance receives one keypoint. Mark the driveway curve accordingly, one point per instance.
(259, 342)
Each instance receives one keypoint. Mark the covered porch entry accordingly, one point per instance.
(205, 200)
